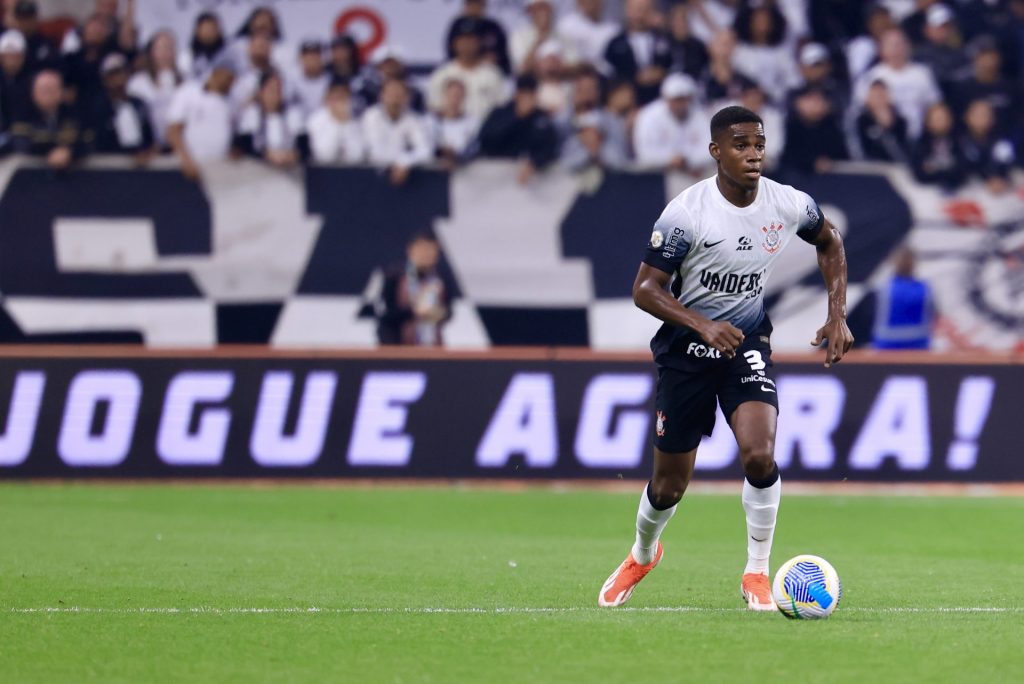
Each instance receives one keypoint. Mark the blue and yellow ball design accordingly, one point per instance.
(806, 588)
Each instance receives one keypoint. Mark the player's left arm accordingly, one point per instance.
(832, 262)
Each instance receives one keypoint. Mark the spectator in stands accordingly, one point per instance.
(911, 86)
(720, 82)
(521, 130)
(485, 86)
(986, 82)
(540, 31)
(587, 31)
(672, 133)
(263, 21)
(156, 82)
(397, 139)
(881, 131)
(1015, 39)
(124, 35)
(762, 55)
(40, 53)
(862, 52)
(82, 67)
(345, 60)
(622, 106)
(15, 80)
(205, 46)
(264, 129)
(50, 129)
(904, 309)
(689, 56)
(941, 49)
(554, 92)
(454, 131)
(988, 154)
(640, 52)
(416, 298)
(306, 91)
(814, 137)
(493, 42)
(596, 140)
(254, 66)
(816, 71)
(387, 62)
(120, 122)
(936, 157)
(710, 17)
(773, 118)
(914, 24)
(335, 134)
(200, 117)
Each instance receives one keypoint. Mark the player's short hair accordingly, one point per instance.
(730, 116)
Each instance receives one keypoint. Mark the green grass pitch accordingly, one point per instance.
(243, 564)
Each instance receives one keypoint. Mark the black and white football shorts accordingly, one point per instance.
(685, 404)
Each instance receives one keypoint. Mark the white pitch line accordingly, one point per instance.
(208, 610)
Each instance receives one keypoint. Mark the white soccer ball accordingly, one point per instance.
(806, 588)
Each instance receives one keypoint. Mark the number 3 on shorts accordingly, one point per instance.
(753, 357)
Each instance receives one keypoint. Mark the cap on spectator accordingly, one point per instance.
(12, 42)
(466, 26)
(938, 15)
(385, 52)
(526, 83)
(678, 85)
(224, 62)
(813, 53)
(26, 9)
(115, 61)
(310, 45)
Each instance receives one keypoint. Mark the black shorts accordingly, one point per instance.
(685, 404)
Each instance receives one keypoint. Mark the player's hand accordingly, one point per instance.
(723, 336)
(839, 340)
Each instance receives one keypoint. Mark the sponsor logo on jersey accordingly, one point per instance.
(757, 378)
(702, 351)
(745, 244)
(772, 237)
(673, 243)
(730, 283)
(659, 426)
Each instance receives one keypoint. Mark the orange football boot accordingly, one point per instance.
(757, 591)
(619, 587)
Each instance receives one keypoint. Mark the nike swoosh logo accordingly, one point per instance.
(758, 540)
(712, 244)
(766, 389)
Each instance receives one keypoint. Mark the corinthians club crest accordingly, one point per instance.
(772, 237)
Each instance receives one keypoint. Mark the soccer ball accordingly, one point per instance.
(806, 588)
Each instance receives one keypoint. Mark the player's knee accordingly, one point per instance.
(758, 461)
(666, 492)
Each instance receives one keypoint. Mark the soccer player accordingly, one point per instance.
(704, 274)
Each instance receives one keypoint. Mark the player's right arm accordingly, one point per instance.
(669, 245)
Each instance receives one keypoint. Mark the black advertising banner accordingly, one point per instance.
(476, 417)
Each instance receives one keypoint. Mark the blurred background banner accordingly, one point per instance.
(116, 254)
(515, 415)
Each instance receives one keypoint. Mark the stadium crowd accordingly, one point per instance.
(933, 85)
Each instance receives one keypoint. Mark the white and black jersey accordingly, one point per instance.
(721, 256)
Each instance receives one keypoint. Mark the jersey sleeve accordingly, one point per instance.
(670, 242)
(809, 217)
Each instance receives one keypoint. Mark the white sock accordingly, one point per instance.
(762, 508)
(649, 524)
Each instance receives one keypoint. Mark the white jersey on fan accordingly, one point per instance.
(722, 255)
